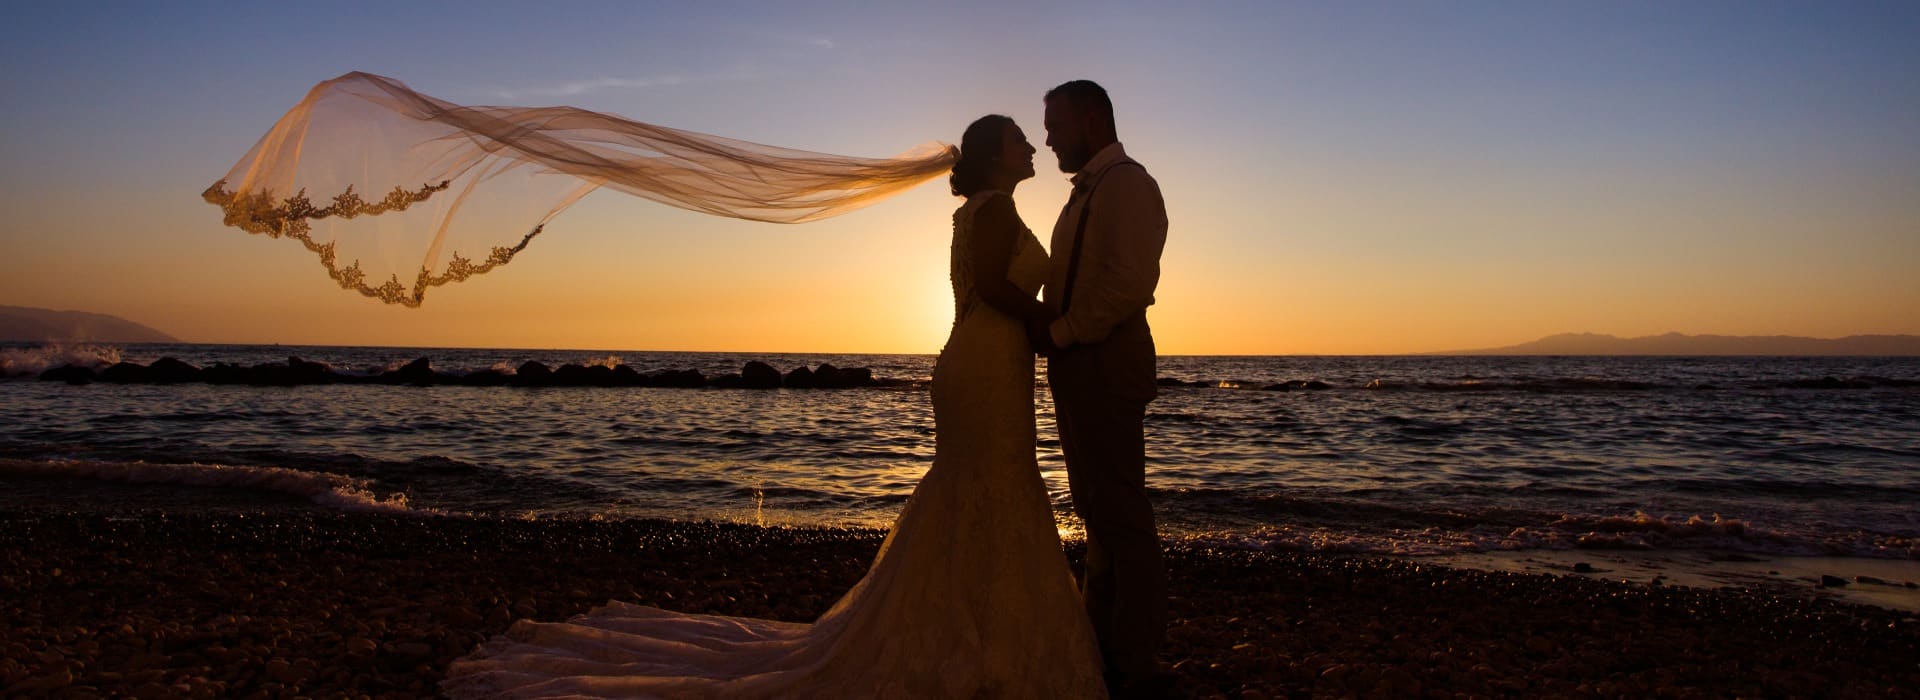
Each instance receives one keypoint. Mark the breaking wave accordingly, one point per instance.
(1639, 531)
(329, 490)
(30, 362)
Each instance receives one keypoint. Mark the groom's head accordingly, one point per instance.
(1079, 123)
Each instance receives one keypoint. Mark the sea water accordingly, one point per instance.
(1391, 455)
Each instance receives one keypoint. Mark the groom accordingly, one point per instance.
(1106, 261)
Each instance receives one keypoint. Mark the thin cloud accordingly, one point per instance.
(581, 87)
(812, 41)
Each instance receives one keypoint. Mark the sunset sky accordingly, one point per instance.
(1341, 177)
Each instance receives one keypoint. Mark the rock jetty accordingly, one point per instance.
(420, 372)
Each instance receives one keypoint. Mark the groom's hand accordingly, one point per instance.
(1040, 336)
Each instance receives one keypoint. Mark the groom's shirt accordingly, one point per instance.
(1120, 263)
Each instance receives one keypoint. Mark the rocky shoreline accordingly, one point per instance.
(420, 372)
(760, 375)
(296, 601)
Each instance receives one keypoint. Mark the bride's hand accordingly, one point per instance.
(1040, 336)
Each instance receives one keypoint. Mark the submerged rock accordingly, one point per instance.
(486, 377)
(71, 374)
(679, 378)
(759, 375)
(296, 372)
(167, 370)
(304, 372)
(627, 376)
(417, 373)
(124, 373)
(533, 374)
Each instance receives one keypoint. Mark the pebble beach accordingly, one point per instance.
(202, 597)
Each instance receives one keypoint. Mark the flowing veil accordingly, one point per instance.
(398, 192)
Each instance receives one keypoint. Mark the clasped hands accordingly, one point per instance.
(1040, 336)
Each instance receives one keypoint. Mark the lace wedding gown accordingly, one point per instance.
(970, 595)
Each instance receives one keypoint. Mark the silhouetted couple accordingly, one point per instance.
(971, 594)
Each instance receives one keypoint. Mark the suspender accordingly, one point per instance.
(1080, 233)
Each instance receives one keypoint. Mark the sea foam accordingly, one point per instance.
(1638, 532)
(330, 490)
(30, 362)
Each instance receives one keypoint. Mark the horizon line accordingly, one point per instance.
(1484, 352)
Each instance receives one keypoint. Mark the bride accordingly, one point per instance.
(970, 595)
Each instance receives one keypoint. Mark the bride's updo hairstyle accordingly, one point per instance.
(980, 149)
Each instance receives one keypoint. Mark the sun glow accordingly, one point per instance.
(937, 315)
(1410, 196)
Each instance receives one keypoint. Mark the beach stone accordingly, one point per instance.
(410, 651)
(759, 375)
(48, 683)
(462, 617)
(1582, 568)
(145, 661)
(499, 616)
(284, 672)
(1540, 645)
(799, 378)
(1829, 581)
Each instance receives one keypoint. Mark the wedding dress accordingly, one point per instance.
(970, 595)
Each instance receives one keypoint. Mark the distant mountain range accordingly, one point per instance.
(1679, 344)
(20, 323)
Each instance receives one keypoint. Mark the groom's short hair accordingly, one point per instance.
(1086, 97)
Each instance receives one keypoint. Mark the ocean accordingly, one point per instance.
(1410, 455)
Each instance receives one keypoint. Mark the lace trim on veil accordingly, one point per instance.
(506, 172)
(258, 214)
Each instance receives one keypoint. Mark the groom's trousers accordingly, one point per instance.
(1100, 395)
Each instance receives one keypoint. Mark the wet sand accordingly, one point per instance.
(1887, 583)
(241, 600)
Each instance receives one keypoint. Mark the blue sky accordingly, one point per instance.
(1350, 177)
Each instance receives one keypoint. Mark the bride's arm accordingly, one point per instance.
(996, 227)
